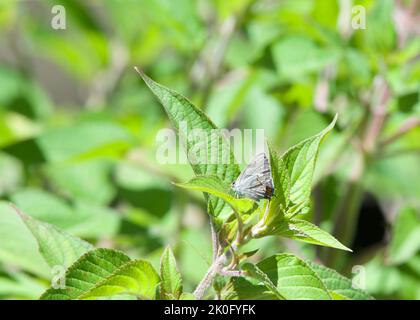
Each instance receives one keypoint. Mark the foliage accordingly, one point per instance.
(106, 272)
(80, 135)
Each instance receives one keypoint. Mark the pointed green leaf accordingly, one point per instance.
(85, 273)
(290, 277)
(136, 278)
(213, 185)
(281, 182)
(104, 273)
(81, 219)
(280, 200)
(339, 286)
(293, 278)
(258, 274)
(57, 247)
(305, 231)
(247, 289)
(85, 140)
(337, 296)
(171, 286)
(300, 163)
(18, 247)
(186, 118)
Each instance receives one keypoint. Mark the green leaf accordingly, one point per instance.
(82, 219)
(280, 200)
(386, 280)
(187, 296)
(305, 231)
(337, 296)
(195, 254)
(213, 185)
(247, 289)
(258, 274)
(288, 276)
(136, 278)
(88, 180)
(281, 182)
(380, 36)
(296, 56)
(95, 221)
(105, 273)
(171, 286)
(57, 247)
(338, 285)
(45, 206)
(300, 163)
(293, 278)
(85, 140)
(405, 241)
(185, 117)
(18, 247)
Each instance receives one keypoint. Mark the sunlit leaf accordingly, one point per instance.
(185, 117)
(18, 247)
(105, 273)
(305, 231)
(338, 284)
(213, 185)
(300, 162)
(171, 286)
(57, 247)
(281, 275)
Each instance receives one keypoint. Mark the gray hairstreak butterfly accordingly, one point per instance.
(255, 181)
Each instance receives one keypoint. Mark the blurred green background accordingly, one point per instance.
(78, 126)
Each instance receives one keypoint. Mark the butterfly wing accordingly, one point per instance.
(255, 180)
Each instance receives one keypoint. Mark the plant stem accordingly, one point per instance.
(409, 124)
(215, 240)
(209, 277)
(219, 261)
